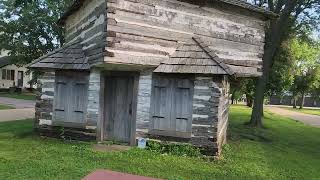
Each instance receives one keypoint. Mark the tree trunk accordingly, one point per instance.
(249, 100)
(274, 37)
(295, 103)
(233, 96)
(294, 96)
(303, 98)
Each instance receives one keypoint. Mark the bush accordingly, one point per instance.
(186, 150)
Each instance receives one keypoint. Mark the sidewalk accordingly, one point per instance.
(16, 114)
(312, 120)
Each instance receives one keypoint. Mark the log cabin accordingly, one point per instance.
(154, 69)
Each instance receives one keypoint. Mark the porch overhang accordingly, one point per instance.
(199, 58)
(69, 57)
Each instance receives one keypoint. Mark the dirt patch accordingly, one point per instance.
(110, 148)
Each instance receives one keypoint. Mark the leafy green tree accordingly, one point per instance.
(29, 29)
(243, 86)
(282, 71)
(294, 15)
(307, 68)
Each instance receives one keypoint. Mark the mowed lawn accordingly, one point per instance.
(306, 111)
(23, 96)
(285, 149)
(5, 107)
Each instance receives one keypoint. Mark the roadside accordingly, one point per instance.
(5, 107)
(15, 109)
(16, 114)
(23, 96)
(312, 120)
(17, 103)
(305, 110)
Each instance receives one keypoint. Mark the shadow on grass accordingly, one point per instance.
(19, 129)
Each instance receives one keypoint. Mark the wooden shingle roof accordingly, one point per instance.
(70, 56)
(191, 58)
(199, 58)
(248, 6)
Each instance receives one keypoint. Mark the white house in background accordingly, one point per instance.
(12, 75)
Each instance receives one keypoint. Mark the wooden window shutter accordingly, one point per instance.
(182, 106)
(79, 99)
(161, 104)
(61, 101)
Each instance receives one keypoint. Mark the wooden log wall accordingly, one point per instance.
(147, 31)
(88, 25)
(223, 112)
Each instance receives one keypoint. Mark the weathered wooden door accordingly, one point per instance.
(71, 96)
(118, 108)
(171, 106)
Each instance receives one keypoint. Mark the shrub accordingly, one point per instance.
(173, 149)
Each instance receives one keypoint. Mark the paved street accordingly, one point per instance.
(24, 109)
(17, 103)
(312, 120)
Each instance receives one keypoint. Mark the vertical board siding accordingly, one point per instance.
(118, 118)
(71, 97)
(171, 106)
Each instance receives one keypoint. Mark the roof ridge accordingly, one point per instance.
(249, 6)
(212, 55)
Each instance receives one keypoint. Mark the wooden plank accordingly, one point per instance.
(101, 116)
(205, 10)
(171, 107)
(120, 108)
(181, 21)
(134, 110)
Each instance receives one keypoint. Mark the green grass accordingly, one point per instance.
(285, 149)
(4, 107)
(24, 96)
(306, 111)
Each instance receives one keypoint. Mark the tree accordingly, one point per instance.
(243, 86)
(29, 29)
(293, 15)
(282, 71)
(307, 67)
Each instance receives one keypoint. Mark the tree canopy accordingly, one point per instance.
(29, 29)
(294, 16)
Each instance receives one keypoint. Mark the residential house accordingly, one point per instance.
(12, 75)
(150, 68)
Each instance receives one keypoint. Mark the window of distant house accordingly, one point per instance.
(8, 74)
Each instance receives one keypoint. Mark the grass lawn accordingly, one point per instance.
(4, 107)
(285, 149)
(306, 111)
(24, 96)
